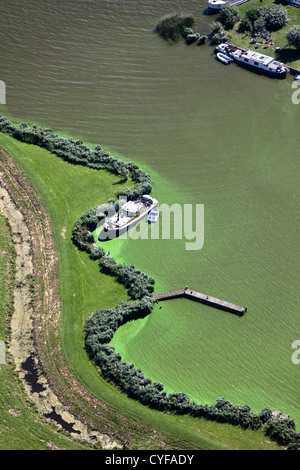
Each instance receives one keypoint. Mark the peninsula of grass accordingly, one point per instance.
(68, 191)
(278, 47)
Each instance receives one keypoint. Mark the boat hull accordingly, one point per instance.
(260, 71)
(216, 5)
(109, 233)
(224, 59)
(271, 67)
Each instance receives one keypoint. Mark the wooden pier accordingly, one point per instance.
(294, 71)
(203, 298)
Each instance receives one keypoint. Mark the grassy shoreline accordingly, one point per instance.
(81, 277)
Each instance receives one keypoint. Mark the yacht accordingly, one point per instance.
(219, 4)
(254, 59)
(131, 213)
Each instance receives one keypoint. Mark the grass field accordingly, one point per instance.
(290, 55)
(68, 191)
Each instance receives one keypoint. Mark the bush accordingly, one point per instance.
(137, 283)
(216, 27)
(293, 36)
(172, 26)
(245, 25)
(218, 34)
(79, 154)
(186, 32)
(202, 39)
(275, 16)
(230, 15)
(190, 38)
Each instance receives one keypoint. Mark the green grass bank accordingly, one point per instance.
(68, 191)
(22, 428)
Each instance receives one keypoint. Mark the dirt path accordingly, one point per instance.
(36, 299)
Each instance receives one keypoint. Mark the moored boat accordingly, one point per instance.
(153, 215)
(254, 60)
(219, 4)
(296, 3)
(131, 213)
(224, 58)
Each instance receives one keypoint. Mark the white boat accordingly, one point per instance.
(131, 213)
(219, 4)
(153, 216)
(254, 59)
(224, 58)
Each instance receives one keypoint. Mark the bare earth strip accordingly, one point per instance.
(36, 319)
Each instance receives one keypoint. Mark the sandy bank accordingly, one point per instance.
(36, 299)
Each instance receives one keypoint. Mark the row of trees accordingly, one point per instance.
(77, 152)
(273, 17)
(137, 283)
(99, 331)
(102, 325)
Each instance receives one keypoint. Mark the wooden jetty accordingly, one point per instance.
(294, 71)
(203, 298)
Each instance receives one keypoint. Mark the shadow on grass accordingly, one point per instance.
(288, 55)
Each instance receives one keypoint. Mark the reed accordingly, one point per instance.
(173, 25)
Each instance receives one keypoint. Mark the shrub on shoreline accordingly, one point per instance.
(102, 325)
(99, 331)
(293, 36)
(173, 26)
(218, 34)
(80, 154)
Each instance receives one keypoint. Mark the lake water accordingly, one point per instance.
(209, 134)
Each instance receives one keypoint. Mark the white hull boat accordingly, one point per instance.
(215, 5)
(254, 60)
(130, 214)
(153, 216)
(224, 58)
